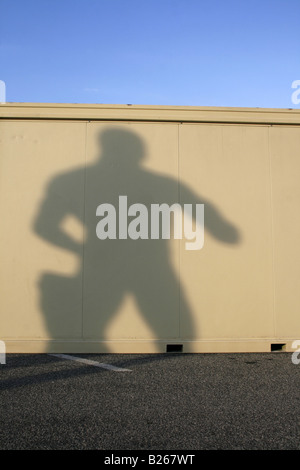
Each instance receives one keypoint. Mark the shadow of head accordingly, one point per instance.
(121, 146)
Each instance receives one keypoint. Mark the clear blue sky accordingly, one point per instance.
(161, 52)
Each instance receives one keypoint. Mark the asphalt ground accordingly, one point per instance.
(167, 402)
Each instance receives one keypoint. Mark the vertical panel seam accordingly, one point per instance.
(272, 236)
(83, 231)
(179, 250)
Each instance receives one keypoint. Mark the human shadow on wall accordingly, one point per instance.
(109, 269)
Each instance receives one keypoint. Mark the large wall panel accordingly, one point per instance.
(131, 289)
(285, 154)
(41, 292)
(229, 282)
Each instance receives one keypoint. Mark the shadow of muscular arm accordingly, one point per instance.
(214, 221)
(57, 204)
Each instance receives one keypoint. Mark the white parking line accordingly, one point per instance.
(91, 363)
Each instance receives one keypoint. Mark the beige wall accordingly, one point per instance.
(64, 290)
